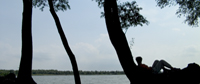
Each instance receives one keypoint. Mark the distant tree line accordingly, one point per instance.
(5, 72)
(57, 72)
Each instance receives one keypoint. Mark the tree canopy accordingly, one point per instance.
(188, 8)
(129, 14)
(57, 4)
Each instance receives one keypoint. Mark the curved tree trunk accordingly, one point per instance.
(65, 43)
(25, 69)
(118, 39)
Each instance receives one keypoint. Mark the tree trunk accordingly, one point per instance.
(118, 39)
(25, 69)
(65, 43)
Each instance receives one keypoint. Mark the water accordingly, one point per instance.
(85, 79)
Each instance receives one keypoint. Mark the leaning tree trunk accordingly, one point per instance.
(65, 43)
(118, 39)
(25, 69)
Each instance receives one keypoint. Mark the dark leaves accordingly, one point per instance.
(188, 8)
(58, 4)
(100, 3)
(128, 14)
(164, 3)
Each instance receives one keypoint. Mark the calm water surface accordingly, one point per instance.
(85, 79)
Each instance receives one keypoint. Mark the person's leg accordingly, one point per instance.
(166, 64)
(155, 63)
(158, 65)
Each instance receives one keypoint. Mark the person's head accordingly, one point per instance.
(139, 60)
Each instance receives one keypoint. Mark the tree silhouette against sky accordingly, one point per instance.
(25, 68)
(118, 17)
(56, 5)
(65, 43)
(118, 39)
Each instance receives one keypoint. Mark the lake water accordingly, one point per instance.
(85, 79)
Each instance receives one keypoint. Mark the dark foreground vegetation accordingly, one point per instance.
(57, 72)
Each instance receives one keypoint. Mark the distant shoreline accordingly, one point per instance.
(73, 75)
(41, 72)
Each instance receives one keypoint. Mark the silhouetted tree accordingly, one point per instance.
(188, 8)
(24, 75)
(118, 39)
(56, 5)
(118, 17)
(65, 43)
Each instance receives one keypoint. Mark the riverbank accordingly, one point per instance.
(57, 72)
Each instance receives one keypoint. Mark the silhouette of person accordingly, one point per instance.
(156, 67)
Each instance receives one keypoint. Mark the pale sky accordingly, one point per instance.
(166, 37)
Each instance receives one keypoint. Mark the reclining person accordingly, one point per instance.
(156, 67)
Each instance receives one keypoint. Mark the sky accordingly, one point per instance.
(166, 37)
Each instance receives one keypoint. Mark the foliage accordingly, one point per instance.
(100, 3)
(188, 8)
(3, 72)
(128, 14)
(6, 72)
(58, 4)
